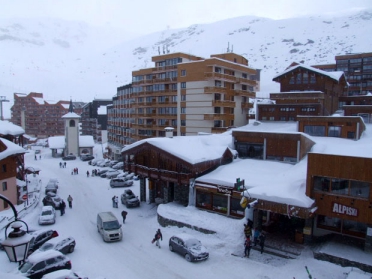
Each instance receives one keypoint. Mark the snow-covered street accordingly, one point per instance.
(135, 256)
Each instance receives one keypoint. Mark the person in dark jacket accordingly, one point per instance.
(247, 230)
(247, 247)
(256, 234)
(62, 207)
(124, 215)
(158, 236)
(262, 238)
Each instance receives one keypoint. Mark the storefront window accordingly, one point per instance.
(354, 228)
(220, 203)
(329, 223)
(359, 189)
(235, 208)
(340, 186)
(321, 184)
(203, 200)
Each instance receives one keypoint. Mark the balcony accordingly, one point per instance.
(215, 89)
(218, 116)
(246, 105)
(220, 76)
(219, 130)
(220, 103)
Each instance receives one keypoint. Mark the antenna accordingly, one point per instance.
(159, 50)
(167, 49)
(163, 49)
(232, 48)
(228, 46)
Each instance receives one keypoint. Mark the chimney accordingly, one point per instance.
(168, 132)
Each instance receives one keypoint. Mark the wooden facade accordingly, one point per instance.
(342, 189)
(332, 126)
(290, 147)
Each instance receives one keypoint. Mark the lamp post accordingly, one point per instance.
(32, 170)
(18, 241)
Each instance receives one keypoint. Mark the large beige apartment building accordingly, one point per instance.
(188, 93)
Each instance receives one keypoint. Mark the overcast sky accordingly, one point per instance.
(147, 16)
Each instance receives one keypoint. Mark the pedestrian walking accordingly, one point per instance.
(262, 238)
(113, 201)
(60, 164)
(158, 236)
(62, 207)
(116, 201)
(40, 157)
(35, 157)
(87, 173)
(64, 164)
(247, 247)
(77, 171)
(72, 172)
(124, 215)
(69, 199)
(247, 230)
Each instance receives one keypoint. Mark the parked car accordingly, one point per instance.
(52, 186)
(62, 244)
(37, 151)
(39, 237)
(120, 182)
(129, 199)
(69, 157)
(112, 174)
(135, 177)
(119, 165)
(122, 174)
(189, 247)
(104, 172)
(94, 162)
(47, 215)
(129, 176)
(52, 199)
(36, 265)
(113, 162)
(63, 274)
(103, 163)
(86, 157)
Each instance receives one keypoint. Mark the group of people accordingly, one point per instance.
(62, 164)
(75, 171)
(259, 238)
(115, 201)
(62, 206)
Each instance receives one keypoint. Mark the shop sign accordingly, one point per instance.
(224, 190)
(344, 209)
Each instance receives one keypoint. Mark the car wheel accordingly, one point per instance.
(171, 248)
(188, 257)
(72, 248)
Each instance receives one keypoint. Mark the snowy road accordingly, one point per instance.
(135, 256)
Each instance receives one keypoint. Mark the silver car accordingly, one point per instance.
(47, 215)
(120, 182)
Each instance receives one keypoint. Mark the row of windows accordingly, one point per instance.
(312, 109)
(287, 109)
(169, 62)
(302, 78)
(339, 186)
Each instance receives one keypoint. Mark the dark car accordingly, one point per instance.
(86, 157)
(129, 199)
(102, 173)
(52, 199)
(63, 245)
(38, 264)
(39, 238)
(188, 247)
(120, 182)
(69, 157)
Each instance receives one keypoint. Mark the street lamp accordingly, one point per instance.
(18, 241)
(31, 170)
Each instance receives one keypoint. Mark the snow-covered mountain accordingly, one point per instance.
(64, 60)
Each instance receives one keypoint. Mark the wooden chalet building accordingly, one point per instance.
(304, 90)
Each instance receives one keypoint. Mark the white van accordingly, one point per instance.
(109, 227)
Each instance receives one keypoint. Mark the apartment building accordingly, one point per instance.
(38, 117)
(304, 90)
(94, 118)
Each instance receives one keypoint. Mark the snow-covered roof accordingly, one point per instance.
(70, 114)
(102, 110)
(66, 106)
(58, 142)
(336, 75)
(11, 149)
(197, 148)
(8, 128)
(40, 101)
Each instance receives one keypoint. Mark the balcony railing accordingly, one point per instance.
(220, 103)
(218, 116)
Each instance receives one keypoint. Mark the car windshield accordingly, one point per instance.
(25, 267)
(192, 242)
(46, 212)
(112, 225)
(46, 246)
(57, 199)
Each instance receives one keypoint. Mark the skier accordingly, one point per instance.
(157, 238)
(62, 207)
(69, 199)
(247, 247)
(124, 214)
(262, 238)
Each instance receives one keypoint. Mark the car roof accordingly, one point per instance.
(47, 207)
(185, 236)
(57, 239)
(62, 273)
(34, 258)
(37, 232)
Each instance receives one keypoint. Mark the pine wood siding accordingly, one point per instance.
(344, 167)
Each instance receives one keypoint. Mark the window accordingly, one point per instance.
(298, 78)
(217, 70)
(217, 83)
(5, 186)
(183, 73)
(183, 97)
(203, 200)
(312, 78)
(312, 130)
(183, 122)
(340, 186)
(305, 78)
(359, 189)
(220, 203)
(351, 135)
(291, 80)
(183, 84)
(282, 118)
(244, 75)
(334, 131)
(4, 168)
(183, 110)
(72, 123)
